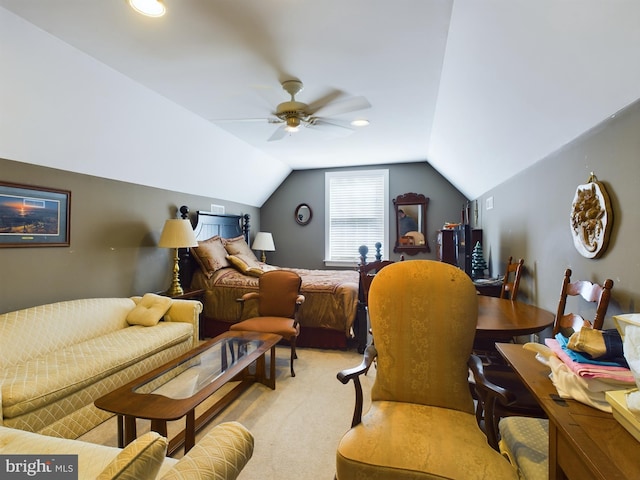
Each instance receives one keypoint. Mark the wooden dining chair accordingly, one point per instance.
(511, 281)
(279, 300)
(500, 391)
(567, 323)
(510, 285)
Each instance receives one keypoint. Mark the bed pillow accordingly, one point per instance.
(238, 246)
(149, 310)
(246, 265)
(139, 460)
(211, 255)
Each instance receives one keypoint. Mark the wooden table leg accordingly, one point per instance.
(130, 433)
(120, 420)
(190, 431)
(159, 426)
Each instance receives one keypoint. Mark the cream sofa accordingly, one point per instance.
(220, 455)
(58, 358)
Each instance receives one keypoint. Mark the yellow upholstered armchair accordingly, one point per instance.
(279, 299)
(421, 422)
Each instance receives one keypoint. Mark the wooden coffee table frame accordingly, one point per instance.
(129, 405)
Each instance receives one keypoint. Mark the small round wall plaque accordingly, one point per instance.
(591, 218)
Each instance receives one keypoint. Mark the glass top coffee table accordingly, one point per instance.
(175, 389)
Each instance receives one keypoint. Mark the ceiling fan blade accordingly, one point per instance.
(325, 100)
(247, 120)
(343, 106)
(330, 127)
(279, 134)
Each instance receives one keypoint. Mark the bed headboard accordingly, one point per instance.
(226, 226)
(209, 224)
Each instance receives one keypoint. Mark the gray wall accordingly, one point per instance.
(303, 246)
(114, 231)
(530, 218)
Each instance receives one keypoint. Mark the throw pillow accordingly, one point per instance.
(211, 255)
(140, 460)
(238, 246)
(246, 265)
(149, 310)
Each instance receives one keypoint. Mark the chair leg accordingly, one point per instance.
(294, 355)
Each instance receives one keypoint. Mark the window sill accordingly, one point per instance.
(344, 264)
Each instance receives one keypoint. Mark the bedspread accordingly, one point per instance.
(331, 296)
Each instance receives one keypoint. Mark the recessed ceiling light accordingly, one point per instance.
(362, 122)
(150, 8)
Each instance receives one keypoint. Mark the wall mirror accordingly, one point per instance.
(411, 223)
(303, 214)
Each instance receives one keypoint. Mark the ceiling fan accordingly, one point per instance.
(292, 115)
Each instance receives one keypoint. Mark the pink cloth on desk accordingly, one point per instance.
(585, 370)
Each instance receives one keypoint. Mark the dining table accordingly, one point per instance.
(500, 319)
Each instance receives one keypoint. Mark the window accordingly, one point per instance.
(357, 206)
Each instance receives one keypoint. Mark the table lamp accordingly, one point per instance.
(177, 233)
(264, 242)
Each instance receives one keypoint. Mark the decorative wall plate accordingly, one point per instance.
(591, 218)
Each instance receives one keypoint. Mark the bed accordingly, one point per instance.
(331, 296)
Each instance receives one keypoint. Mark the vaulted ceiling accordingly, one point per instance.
(480, 89)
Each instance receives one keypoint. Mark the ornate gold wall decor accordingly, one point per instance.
(591, 218)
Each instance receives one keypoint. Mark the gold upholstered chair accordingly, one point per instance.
(279, 300)
(421, 422)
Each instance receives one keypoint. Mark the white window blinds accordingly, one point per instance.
(357, 213)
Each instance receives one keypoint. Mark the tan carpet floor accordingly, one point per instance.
(296, 427)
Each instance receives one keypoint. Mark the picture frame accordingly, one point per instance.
(32, 216)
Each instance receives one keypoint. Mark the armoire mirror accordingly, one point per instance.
(411, 223)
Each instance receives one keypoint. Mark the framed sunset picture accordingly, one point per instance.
(33, 216)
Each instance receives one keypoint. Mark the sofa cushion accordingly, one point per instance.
(43, 380)
(92, 458)
(149, 310)
(140, 460)
(58, 325)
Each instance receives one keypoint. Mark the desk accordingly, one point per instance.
(584, 442)
(501, 318)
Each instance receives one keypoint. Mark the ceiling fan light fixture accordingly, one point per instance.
(150, 8)
(360, 122)
(293, 124)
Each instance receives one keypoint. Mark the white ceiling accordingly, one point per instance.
(481, 89)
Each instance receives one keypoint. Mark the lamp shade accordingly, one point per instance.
(177, 233)
(264, 242)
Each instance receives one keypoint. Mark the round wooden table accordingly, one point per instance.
(502, 318)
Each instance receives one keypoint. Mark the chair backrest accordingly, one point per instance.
(590, 292)
(511, 281)
(367, 273)
(424, 315)
(278, 292)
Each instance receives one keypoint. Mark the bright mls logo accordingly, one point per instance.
(50, 467)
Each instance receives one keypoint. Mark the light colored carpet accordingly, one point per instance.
(296, 427)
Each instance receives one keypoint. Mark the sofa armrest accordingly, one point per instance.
(220, 455)
(187, 311)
